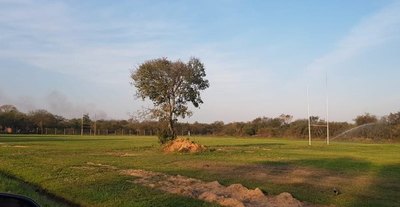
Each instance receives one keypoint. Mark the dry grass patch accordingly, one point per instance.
(122, 154)
(235, 195)
(288, 175)
(16, 146)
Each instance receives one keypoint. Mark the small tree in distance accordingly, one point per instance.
(170, 86)
(365, 119)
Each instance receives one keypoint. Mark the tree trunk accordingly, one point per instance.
(171, 127)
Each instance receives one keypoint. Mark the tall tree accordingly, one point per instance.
(170, 86)
(42, 118)
(7, 108)
(394, 118)
(10, 117)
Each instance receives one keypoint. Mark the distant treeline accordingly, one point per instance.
(44, 122)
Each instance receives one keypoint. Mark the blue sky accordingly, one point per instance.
(74, 57)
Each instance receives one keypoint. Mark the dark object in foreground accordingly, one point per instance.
(336, 191)
(13, 200)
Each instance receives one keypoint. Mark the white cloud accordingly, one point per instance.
(100, 46)
(372, 31)
(48, 35)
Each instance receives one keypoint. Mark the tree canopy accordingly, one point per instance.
(170, 85)
(365, 119)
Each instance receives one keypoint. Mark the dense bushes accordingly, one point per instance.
(43, 122)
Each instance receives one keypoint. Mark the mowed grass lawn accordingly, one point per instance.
(58, 170)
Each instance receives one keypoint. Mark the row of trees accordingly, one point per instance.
(44, 122)
(172, 85)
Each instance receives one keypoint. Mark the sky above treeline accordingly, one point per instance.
(73, 57)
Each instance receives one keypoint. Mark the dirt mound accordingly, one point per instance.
(235, 195)
(183, 145)
(284, 199)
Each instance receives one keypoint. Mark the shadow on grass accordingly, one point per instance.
(381, 188)
(342, 164)
(38, 190)
(105, 188)
(121, 191)
(338, 165)
(384, 190)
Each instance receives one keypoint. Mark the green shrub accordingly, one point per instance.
(164, 136)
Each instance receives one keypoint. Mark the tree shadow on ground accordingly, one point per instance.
(384, 190)
(39, 191)
(338, 165)
(358, 182)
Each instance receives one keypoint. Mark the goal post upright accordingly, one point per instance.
(82, 125)
(308, 117)
(327, 110)
(327, 113)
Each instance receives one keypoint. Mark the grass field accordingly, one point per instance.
(54, 169)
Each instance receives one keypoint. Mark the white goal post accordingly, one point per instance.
(327, 113)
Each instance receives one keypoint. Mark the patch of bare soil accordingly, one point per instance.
(235, 195)
(183, 145)
(101, 165)
(16, 146)
(286, 174)
(122, 154)
(19, 146)
(83, 167)
(94, 166)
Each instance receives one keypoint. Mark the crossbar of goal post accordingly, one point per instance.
(327, 114)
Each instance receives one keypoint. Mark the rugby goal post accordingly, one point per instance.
(327, 114)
